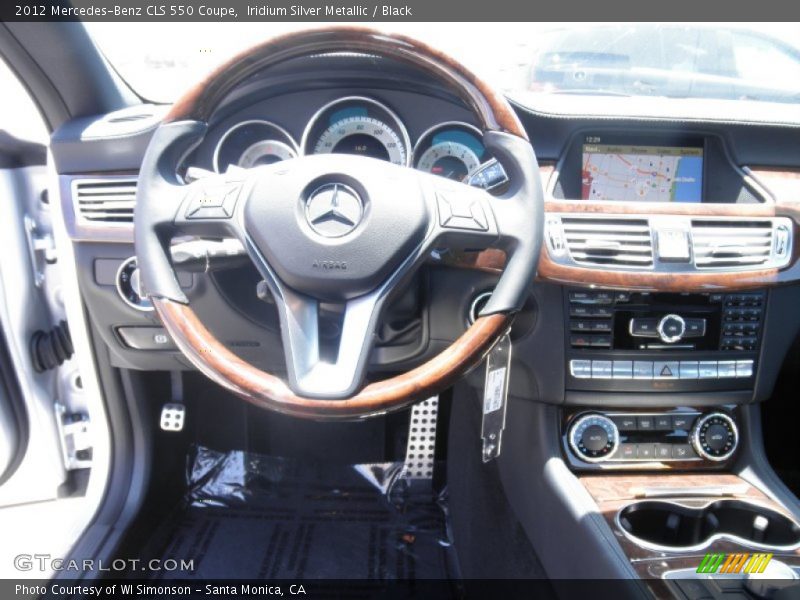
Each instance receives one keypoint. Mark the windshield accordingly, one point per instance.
(757, 62)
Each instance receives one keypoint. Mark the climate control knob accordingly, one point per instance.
(594, 438)
(715, 436)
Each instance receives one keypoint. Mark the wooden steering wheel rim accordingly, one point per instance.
(221, 365)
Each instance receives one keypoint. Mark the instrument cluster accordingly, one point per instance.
(363, 126)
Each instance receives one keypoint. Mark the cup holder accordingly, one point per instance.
(676, 526)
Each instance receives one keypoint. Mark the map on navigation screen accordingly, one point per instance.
(642, 173)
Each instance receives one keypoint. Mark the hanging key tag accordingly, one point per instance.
(495, 396)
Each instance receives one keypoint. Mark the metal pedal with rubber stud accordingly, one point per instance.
(173, 416)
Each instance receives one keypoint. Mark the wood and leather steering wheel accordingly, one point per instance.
(394, 217)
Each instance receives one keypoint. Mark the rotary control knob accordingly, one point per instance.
(594, 438)
(671, 328)
(129, 286)
(715, 436)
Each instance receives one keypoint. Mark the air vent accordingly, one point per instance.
(616, 243)
(105, 200)
(739, 243)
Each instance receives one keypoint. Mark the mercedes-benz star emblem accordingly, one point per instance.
(334, 210)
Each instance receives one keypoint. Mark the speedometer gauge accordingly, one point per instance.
(252, 143)
(360, 126)
(453, 150)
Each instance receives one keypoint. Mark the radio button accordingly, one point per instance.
(580, 311)
(581, 369)
(708, 369)
(581, 296)
(695, 328)
(666, 370)
(689, 369)
(644, 327)
(623, 369)
(601, 369)
(580, 325)
(642, 369)
(744, 368)
(726, 368)
(604, 297)
(580, 341)
(601, 341)
(601, 311)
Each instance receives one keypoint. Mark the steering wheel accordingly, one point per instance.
(336, 228)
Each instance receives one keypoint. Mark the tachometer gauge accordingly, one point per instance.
(449, 159)
(453, 150)
(253, 143)
(360, 126)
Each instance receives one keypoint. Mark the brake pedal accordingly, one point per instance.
(421, 447)
(173, 416)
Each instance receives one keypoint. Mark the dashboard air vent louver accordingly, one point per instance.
(105, 200)
(720, 243)
(615, 243)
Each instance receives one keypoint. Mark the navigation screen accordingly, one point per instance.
(642, 173)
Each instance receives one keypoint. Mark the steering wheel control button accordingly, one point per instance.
(333, 210)
(594, 438)
(671, 328)
(715, 437)
(456, 213)
(213, 202)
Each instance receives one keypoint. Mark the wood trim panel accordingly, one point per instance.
(267, 391)
(491, 107)
(612, 492)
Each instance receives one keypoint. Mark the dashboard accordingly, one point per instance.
(660, 208)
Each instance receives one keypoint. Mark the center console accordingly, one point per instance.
(662, 342)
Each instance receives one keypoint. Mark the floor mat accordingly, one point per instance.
(257, 517)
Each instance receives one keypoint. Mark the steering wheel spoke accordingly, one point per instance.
(319, 367)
